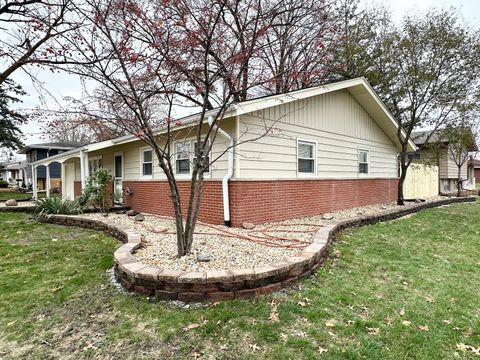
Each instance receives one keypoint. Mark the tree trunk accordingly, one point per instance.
(459, 181)
(401, 179)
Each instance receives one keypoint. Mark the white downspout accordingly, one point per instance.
(229, 174)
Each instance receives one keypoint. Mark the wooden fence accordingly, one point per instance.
(421, 181)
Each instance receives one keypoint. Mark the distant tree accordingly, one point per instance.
(423, 69)
(10, 120)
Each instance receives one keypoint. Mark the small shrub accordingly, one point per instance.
(97, 190)
(57, 205)
(3, 184)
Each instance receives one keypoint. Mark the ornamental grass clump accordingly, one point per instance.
(57, 205)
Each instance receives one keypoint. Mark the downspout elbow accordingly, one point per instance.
(228, 175)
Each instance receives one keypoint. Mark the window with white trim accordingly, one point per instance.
(306, 157)
(363, 160)
(147, 162)
(207, 158)
(94, 164)
(182, 158)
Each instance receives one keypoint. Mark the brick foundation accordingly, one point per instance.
(259, 201)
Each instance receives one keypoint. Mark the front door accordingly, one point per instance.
(118, 177)
(68, 181)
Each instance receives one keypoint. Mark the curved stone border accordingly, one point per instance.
(190, 286)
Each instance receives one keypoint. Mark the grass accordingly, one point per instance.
(380, 287)
(7, 195)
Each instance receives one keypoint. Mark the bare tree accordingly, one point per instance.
(152, 57)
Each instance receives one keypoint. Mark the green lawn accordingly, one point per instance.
(6, 195)
(407, 289)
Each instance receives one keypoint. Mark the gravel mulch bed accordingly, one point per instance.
(19, 204)
(227, 248)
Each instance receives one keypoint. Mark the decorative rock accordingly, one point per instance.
(139, 217)
(327, 216)
(11, 202)
(204, 258)
(247, 225)
(132, 212)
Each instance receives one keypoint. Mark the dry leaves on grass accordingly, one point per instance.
(299, 333)
(468, 348)
(406, 322)
(273, 317)
(401, 312)
(191, 327)
(423, 327)
(331, 323)
(254, 347)
(373, 331)
(322, 350)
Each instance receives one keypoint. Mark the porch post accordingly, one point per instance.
(34, 181)
(62, 178)
(82, 169)
(47, 185)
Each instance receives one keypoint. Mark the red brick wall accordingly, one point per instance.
(260, 201)
(154, 197)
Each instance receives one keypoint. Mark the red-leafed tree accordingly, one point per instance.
(150, 57)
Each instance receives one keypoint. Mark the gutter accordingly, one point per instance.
(228, 175)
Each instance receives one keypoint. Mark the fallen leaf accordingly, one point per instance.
(191, 326)
(350, 322)
(300, 333)
(406, 322)
(429, 299)
(322, 350)
(402, 312)
(301, 303)
(307, 300)
(464, 347)
(331, 323)
(373, 331)
(447, 321)
(283, 336)
(423, 327)
(196, 355)
(353, 293)
(254, 347)
(388, 321)
(273, 317)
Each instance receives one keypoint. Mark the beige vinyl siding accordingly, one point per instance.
(132, 155)
(335, 121)
(448, 168)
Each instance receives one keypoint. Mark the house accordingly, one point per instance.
(475, 164)
(329, 147)
(448, 170)
(14, 172)
(38, 152)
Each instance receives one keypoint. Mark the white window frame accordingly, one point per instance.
(120, 153)
(91, 159)
(315, 158)
(142, 150)
(368, 162)
(191, 142)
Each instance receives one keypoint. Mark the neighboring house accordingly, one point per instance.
(38, 152)
(475, 164)
(14, 172)
(331, 147)
(448, 170)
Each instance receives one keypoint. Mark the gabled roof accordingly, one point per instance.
(420, 138)
(57, 145)
(359, 88)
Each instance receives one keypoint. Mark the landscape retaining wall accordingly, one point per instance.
(191, 286)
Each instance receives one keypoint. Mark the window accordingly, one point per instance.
(446, 185)
(306, 157)
(94, 163)
(207, 158)
(414, 155)
(362, 161)
(182, 157)
(147, 163)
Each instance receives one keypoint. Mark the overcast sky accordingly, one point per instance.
(61, 85)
